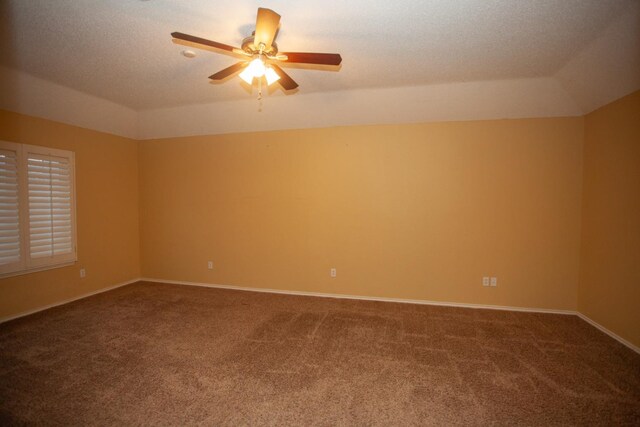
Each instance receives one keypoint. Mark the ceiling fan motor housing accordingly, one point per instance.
(249, 46)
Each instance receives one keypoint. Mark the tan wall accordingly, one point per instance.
(610, 256)
(411, 211)
(107, 210)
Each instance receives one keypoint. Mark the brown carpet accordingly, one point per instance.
(167, 354)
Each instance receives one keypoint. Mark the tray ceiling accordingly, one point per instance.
(121, 51)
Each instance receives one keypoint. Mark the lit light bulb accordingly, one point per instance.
(271, 76)
(257, 67)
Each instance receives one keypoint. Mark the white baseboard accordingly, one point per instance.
(608, 332)
(339, 296)
(66, 301)
(362, 297)
(405, 301)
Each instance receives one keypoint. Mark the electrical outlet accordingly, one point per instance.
(333, 272)
(210, 265)
(485, 281)
(83, 273)
(494, 281)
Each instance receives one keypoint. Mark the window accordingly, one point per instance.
(37, 208)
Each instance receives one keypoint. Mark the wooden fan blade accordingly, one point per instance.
(285, 81)
(313, 58)
(267, 23)
(200, 43)
(223, 74)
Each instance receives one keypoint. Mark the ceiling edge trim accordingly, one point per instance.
(501, 99)
(26, 94)
(592, 85)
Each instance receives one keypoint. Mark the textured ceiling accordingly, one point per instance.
(121, 50)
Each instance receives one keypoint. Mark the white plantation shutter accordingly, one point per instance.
(50, 206)
(37, 208)
(10, 249)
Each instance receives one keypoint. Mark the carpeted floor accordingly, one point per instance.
(167, 354)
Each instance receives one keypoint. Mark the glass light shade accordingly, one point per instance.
(271, 76)
(247, 76)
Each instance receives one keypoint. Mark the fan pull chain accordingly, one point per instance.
(261, 46)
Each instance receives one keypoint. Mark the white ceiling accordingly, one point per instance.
(121, 51)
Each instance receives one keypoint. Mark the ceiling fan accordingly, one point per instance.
(260, 53)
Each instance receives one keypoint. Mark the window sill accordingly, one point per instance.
(37, 269)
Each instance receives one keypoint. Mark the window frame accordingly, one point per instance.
(26, 264)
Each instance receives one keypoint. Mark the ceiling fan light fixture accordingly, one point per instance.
(258, 69)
